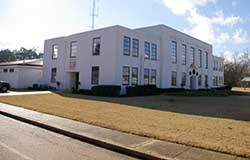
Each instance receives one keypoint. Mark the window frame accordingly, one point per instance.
(136, 76)
(174, 52)
(192, 55)
(71, 49)
(206, 80)
(174, 79)
(153, 77)
(153, 51)
(183, 54)
(95, 81)
(200, 80)
(147, 50)
(135, 47)
(53, 75)
(55, 56)
(125, 76)
(206, 66)
(126, 49)
(11, 70)
(182, 79)
(146, 76)
(94, 53)
(200, 58)
(5, 70)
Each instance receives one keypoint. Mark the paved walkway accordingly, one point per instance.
(12, 93)
(22, 141)
(126, 143)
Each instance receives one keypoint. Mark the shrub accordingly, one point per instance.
(74, 90)
(35, 86)
(84, 91)
(106, 90)
(142, 90)
(173, 90)
(228, 87)
(41, 87)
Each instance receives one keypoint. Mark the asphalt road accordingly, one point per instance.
(21, 141)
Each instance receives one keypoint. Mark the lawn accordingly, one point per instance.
(241, 89)
(214, 123)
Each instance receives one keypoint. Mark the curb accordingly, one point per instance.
(96, 142)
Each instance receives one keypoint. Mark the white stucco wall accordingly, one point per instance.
(22, 77)
(84, 59)
(111, 59)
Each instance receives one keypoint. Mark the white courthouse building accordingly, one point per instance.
(118, 55)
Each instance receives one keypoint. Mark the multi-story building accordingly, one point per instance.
(117, 55)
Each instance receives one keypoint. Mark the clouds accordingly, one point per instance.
(181, 7)
(240, 37)
(29, 22)
(211, 29)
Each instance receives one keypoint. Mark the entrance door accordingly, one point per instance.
(77, 80)
(74, 80)
(193, 82)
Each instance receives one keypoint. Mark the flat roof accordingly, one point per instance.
(28, 62)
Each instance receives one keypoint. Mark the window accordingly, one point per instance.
(146, 76)
(183, 79)
(174, 52)
(192, 55)
(53, 75)
(147, 50)
(126, 46)
(135, 48)
(200, 80)
(5, 70)
(206, 80)
(134, 76)
(184, 54)
(96, 48)
(73, 49)
(12, 70)
(125, 75)
(95, 75)
(206, 60)
(221, 80)
(215, 81)
(153, 76)
(221, 67)
(200, 59)
(174, 78)
(54, 51)
(154, 51)
(215, 65)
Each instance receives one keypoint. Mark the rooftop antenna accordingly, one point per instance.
(93, 14)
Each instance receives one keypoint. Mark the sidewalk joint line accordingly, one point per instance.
(189, 147)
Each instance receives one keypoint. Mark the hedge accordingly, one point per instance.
(142, 90)
(106, 90)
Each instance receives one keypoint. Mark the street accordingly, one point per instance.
(21, 141)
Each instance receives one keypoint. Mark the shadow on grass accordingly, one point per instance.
(231, 107)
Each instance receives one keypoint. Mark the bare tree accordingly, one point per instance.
(237, 69)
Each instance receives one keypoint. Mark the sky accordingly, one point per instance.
(222, 23)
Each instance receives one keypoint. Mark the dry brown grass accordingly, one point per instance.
(241, 89)
(211, 123)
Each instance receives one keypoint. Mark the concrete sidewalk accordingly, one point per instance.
(140, 147)
(12, 93)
